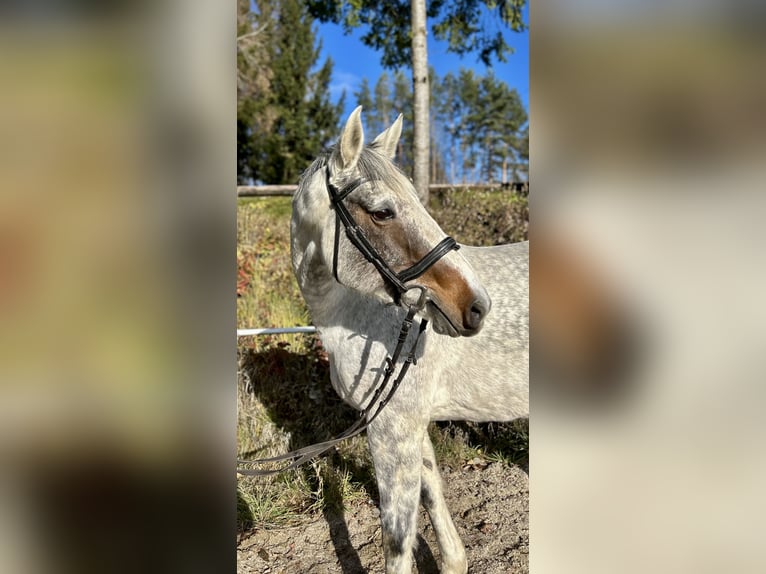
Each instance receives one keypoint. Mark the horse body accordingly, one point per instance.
(481, 376)
(486, 377)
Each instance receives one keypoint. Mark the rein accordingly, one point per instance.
(355, 234)
(297, 457)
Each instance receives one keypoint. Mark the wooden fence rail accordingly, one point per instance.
(271, 190)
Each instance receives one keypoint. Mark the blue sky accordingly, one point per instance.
(353, 60)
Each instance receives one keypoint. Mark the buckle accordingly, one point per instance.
(422, 299)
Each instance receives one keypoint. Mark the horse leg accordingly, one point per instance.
(395, 444)
(431, 495)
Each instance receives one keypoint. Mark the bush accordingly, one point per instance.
(481, 217)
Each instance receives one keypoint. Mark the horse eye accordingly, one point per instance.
(382, 215)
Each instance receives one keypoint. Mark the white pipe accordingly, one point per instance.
(275, 331)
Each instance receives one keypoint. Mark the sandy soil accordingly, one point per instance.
(490, 507)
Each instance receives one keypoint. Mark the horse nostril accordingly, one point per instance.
(476, 314)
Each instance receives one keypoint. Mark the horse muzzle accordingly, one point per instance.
(466, 323)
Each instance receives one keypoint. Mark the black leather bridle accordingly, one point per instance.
(360, 241)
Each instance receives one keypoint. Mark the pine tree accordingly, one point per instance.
(468, 89)
(382, 116)
(402, 104)
(497, 128)
(323, 116)
(438, 172)
(364, 98)
(281, 130)
(521, 150)
(482, 119)
(380, 110)
(254, 79)
(447, 107)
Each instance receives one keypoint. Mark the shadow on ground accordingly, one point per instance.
(295, 391)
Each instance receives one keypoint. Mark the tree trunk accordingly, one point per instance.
(420, 93)
(452, 153)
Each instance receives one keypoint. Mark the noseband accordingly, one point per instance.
(360, 241)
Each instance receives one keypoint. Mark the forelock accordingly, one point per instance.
(372, 166)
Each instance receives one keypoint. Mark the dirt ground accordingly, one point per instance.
(490, 507)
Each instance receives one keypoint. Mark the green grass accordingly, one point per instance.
(277, 207)
(285, 397)
(271, 297)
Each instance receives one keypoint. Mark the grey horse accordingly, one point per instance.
(473, 365)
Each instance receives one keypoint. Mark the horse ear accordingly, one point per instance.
(389, 139)
(351, 141)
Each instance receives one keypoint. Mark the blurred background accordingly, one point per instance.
(117, 313)
(647, 153)
(117, 320)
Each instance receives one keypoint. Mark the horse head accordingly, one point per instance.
(397, 229)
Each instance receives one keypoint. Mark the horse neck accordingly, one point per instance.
(328, 300)
(334, 305)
